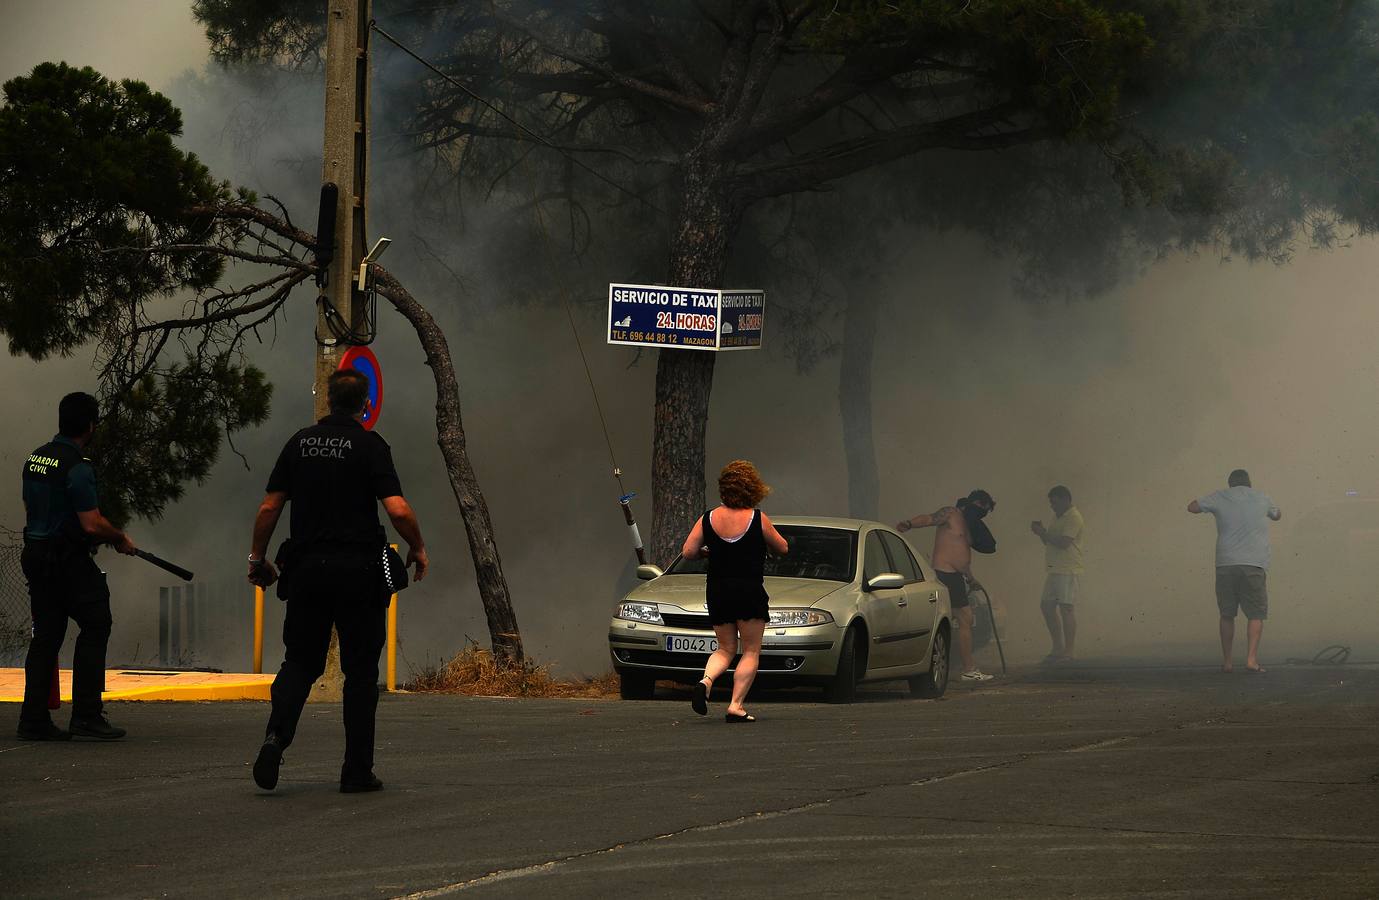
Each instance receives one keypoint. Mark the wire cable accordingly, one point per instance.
(626, 496)
(1334, 655)
(564, 292)
(516, 124)
(346, 333)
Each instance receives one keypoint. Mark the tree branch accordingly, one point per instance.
(712, 19)
(757, 78)
(646, 88)
(290, 262)
(737, 58)
(226, 315)
(645, 31)
(809, 170)
(855, 76)
(249, 213)
(461, 128)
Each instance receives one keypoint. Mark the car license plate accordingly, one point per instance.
(683, 643)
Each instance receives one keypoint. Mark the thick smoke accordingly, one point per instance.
(1139, 401)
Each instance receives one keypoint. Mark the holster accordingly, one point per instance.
(286, 560)
(392, 574)
(57, 555)
(355, 568)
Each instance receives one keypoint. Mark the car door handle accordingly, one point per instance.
(933, 598)
(902, 602)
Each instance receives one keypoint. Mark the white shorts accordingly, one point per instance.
(1060, 589)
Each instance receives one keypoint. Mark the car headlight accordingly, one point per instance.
(786, 618)
(640, 612)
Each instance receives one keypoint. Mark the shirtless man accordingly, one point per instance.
(956, 527)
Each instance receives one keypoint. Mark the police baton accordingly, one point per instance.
(164, 564)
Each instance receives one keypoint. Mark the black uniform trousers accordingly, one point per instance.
(64, 583)
(346, 598)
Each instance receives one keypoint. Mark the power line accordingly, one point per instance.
(625, 499)
(516, 124)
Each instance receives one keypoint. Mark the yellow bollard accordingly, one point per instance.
(392, 641)
(258, 631)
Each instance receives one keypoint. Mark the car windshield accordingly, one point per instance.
(828, 554)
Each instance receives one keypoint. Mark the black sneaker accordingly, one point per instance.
(266, 766)
(30, 731)
(356, 786)
(97, 728)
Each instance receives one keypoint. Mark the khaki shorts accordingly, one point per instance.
(1241, 588)
(1060, 589)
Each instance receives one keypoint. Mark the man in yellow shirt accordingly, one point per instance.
(1063, 562)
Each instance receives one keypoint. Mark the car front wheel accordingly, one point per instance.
(636, 686)
(934, 682)
(843, 687)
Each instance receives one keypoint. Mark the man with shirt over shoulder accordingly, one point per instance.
(1242, 560)
(958, 530)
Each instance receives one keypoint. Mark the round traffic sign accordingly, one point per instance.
(363, 360)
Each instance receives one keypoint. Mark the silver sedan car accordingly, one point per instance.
(851, 602)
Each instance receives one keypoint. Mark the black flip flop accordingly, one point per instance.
(700, 703)
(734, 718)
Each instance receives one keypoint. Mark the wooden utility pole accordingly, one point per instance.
(340, 308)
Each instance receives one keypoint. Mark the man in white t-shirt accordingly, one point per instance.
(1242, 560)
(1063, 574)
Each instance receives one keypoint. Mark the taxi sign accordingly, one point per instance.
(362, 360)
(647, 315)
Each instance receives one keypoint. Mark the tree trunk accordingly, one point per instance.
(488, 567)
(684, 378)
(854, 400)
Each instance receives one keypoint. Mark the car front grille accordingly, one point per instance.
(693, 621)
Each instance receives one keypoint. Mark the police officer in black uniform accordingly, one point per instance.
(335, 473)
(62, 529)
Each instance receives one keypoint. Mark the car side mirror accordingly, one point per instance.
(649, 572)
(886, 581)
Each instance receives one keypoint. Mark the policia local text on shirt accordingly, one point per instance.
(63, 525)
(335, 473)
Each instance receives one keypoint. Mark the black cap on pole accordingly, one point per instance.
(325, 229)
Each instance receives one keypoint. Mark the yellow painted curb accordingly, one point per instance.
(242, 690)
(127, 684)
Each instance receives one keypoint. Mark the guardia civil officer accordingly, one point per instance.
(334, 473)
(63, 525)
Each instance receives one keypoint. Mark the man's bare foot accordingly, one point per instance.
(1227, 668)
(1256, 668)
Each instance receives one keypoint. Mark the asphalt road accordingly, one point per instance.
(1095, 782)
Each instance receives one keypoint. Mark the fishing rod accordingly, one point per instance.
(991, 613)
(625, 501)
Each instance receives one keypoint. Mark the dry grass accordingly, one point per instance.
(474, 672)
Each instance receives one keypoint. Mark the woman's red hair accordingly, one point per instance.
(740, 485)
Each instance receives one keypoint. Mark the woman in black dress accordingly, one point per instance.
(735, 537)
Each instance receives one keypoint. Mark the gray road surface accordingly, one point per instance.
(1092, 782)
